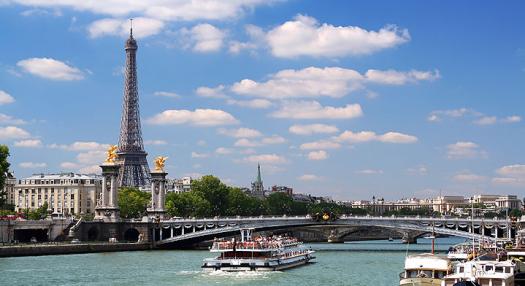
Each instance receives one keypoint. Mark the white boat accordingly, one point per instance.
(460, 252)
(483, 272)
(424, 270)
(258, 254)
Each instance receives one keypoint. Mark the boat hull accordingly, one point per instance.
(276, 266)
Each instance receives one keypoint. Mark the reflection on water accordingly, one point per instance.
(353, 263)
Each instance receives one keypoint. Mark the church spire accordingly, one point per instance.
(259, 179)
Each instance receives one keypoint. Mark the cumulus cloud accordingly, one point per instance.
(93, 169)
(438, 115)
(318, 155)
(477, 117)
(271, 140)
(309, 177)
(81, 146)
(155, 142)
(8, 119)
(13, 132)
(274, 139)
(314, 110)
(370, 172)
(212, 92)
(91, 157)
(166, 94)
(203, 38)
(321, 144)
(243, 142)
(464, 150)
(242, 132)
(486, 120)
(49, 68)
(223, 151)
(199, 117)
(30, 143)
(5, 98)
(367, 136)
(32, 165)
(265, 159)
(333, 82)
(142, 27)
(511, 176)
(253, 103)
(310, 129)
(305, 36)
(468, 177)
(199, 155)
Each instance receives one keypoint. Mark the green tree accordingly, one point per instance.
(188, 204)
(133, 202)
(515, 213)
(214, 191)
(4, 169)
(279, 204)
(37, 214)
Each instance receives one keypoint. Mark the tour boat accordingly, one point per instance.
(424, 270)
(484, 272)
(257, 254)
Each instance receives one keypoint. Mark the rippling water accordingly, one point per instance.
(356, 263)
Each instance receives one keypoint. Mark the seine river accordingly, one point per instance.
(357, 263)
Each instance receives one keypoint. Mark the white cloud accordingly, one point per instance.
(254, 103)
(392, 77)
(30, 143)
(265, 159)
(486, 120)
(321, 144)
(437, 115)
(81, 146)
(243, 142)
(142, 27)
(5, 98)
(309, 177)
(182, 10)
(318, 155)
(313, 129)
(166, 94)
(468, 177)
(223, 151)
(203, 38)
(199, 155)
(516, 170)
(7, 119)
(211, 92)
(464, 149)
(370, 172)
(49, 68)
(304, 36)
(367, 136)
(512, 119)
(70, 165)
(242, 132)
(32, 165)
(91, 157)
(93, 169)
(155, 142)
(314, 110)
(199, 117)
(13, 132)
(419, 170)
(335, 82)
(274, 139)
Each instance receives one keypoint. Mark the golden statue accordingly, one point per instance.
(111, 154)
(159, 163)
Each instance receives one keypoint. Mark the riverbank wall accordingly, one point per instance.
(59, 249)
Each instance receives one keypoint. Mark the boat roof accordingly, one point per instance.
(427, 261)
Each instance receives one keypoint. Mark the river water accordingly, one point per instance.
(375, 263)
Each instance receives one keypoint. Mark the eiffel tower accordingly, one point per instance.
(134, 169)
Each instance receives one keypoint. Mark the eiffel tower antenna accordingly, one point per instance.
(131, 27)
(134, 170)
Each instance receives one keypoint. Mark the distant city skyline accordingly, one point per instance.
(349, 100)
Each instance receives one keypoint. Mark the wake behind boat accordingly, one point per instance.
(258, 254)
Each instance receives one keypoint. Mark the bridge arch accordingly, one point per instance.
(93, 233)
(131, 235)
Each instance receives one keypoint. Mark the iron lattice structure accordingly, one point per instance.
(134, 169)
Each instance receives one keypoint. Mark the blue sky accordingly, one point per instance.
(342, 98)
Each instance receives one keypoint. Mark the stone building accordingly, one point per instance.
(9, 188)
(66, 193)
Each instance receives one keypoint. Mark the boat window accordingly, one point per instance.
(461, 269)
(439, 274)
(507, 270)
(499, 269)
(489, 267)
(411, 273)
(425, 273)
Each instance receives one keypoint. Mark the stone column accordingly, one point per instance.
(158, 195)
(107, 207)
